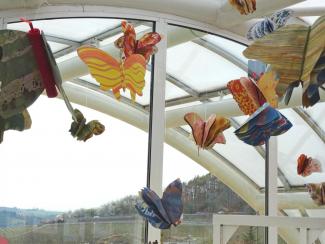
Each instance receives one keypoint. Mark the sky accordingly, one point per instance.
(45, 167)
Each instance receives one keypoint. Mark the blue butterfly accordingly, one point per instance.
(269, 24)
(164, 212)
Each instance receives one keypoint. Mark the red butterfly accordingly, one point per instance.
(130, 45)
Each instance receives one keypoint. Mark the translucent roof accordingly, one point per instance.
(197, 73)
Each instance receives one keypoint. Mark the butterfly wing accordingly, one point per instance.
(146, 44)
(267, 85)
(155, 203)
(172, 201)
(246, 95)
(134, 71)
(197, 125)
(103, 67)
(216, 125)
(149, 214)
(128, 41)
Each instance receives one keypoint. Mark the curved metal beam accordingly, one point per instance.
(312, 123)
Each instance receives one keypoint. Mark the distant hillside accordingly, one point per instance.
(12, 217)
(203, 194)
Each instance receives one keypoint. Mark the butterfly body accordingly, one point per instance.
(164, 212)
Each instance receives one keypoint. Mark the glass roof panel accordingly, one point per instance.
(317, 113)
(172, 91)
(75, 29)
(299, 139)
(292, 212)
(55, 47)
(243, 156)
(316, 213)
(231, 47)
(109, 40)
(309, 19)
(309, 4)
(199, 68)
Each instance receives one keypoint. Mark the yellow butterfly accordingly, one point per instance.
(112, 74)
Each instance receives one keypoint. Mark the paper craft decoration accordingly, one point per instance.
(84, 131)
(263, 124)
(111, 74)
(317, 193)
(244, 6)
(256, 69)
(3, 240)
(27, 66)
(292, 51)
(130, 45)
(207, 134)
(251, 96)
(311, 95)
(269, 24)
(164, 212)
(307, 165)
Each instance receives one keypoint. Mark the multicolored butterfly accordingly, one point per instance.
(317, 193)
(307, 165)
(207, 133)
(251, 96)
(269, 24)
(115, 75)
(130, 45)
(164, 212)
(261, 125)
(244, 6)
(301, 49)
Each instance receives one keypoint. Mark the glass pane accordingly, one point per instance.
(317, 113)
(299, 139)
(200, 68)
(75, 29)
(204, 194)
(60, 190)
(55, 47)
(231, 47)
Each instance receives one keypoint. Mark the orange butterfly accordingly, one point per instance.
(112, 74)
(251, 96)
(130, 45)
(207, 134)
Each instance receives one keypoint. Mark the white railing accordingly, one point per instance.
(224, 226)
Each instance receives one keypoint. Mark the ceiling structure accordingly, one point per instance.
(185, 90)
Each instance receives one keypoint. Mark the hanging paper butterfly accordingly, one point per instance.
(307, 165)
(251, 96)
(263, 124)
(300, 48)
(130, 45)
(269, 24)
(164, 212)
(111, 74)
(3, 240)
(207, 134)
(21, 85)
(244, 6)
(317, 193)
(84, 131)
